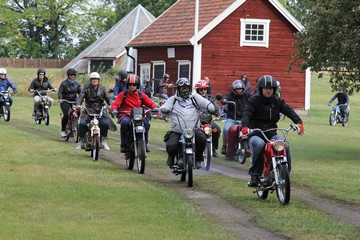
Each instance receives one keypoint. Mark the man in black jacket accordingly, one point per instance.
(69, 90)
(262, 111)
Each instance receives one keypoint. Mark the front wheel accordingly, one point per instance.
(241, 153)
(190, 164)
(332, 118)
(46, 116)
(130, 158)
(283, 186)
(6, 113)
(96, 148)
(207, 156)
(141, 156)
(75, 131)
(345, 121)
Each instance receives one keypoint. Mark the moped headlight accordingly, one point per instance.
(207, 130)
(138, 117)
(95, 121)
(189, 133)
(279, 146)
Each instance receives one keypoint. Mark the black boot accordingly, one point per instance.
(223, 149)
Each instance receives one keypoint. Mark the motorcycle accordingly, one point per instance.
(275, 174)
(335, 115)
(92, 137)
(43, 111)
(72, 125)
(238, 144)
(5, 105)
(205, 126)
(137, 144)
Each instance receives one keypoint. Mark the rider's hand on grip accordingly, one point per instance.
(300, 129)
(155, 110)
(245, 130)
(114, 113)
(329, 104)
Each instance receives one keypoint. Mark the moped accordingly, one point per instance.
(276, 173)
(43, 111)
(72, 125)
(335, 115)
(5, 105)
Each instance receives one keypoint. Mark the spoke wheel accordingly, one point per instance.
(46, 116)
(75, 130)
(96, 148)
(241, 153)
(207, 156)
(283, 188)
(6, 113)
(130, 158)
(189, 165)
(141, 156)
(345, 122)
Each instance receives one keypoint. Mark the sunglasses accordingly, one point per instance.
(94, 79)
(72, 74)
(239, 89)
(202, 89)
(132, 84)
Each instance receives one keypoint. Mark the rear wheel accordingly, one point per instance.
(332, 118)
(283, 187)
(6, 113)
(207, 156)
(46, 116)
(189, 164)
(345, 121)
(96, 148)
(141, 156)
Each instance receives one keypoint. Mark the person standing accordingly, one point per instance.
(95, 95)
(246, 81)
(147, 88)
(163, 86)
(120, 83)
(69, 90)
(209, 89)
(5, 83)
(41, 84)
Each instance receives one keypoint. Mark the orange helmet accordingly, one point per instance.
(133, 79)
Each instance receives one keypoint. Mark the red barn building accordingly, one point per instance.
(253, 37)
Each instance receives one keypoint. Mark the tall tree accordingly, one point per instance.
(331, 40)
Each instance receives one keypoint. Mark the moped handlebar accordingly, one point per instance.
(284, 131)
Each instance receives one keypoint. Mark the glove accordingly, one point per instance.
(300, 129)
(15, 91)
(329, 104)
(114, 113)
(155, 109)
(245, 130)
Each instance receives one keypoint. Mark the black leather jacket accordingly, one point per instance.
(69, 90)
(41, 87)
(94, 99)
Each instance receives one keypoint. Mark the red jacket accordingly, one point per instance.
(132, 101)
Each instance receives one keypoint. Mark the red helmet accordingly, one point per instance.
(201, 84)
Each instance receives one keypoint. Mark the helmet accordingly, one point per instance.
(71, 71)
(123, 74)
(238, 84)
(147, 81)
(267, 81)
(166, 77)
(244, 76)
(94, 75)
(41, 70)
(183, 87)
(201, 84)
(133, 79)
(2, 71)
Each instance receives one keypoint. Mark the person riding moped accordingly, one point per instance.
(240, 98)
(202, 88)
(69, 90)
(187, 106)
(41, 84)
(262, 111)
(343, 100)
(126, 100)
(94, 95)
(5, 83)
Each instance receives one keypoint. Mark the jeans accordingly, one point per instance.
(163, 96)
(215, 135)
(125, 130)
(257, 146)
(228, 124)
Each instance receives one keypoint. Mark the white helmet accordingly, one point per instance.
(94, 75)
(2, 71)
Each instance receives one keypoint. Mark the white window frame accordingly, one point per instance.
(254, 43)
(145, 72)
(184, 62)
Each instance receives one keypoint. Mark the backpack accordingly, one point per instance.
(193, 100)
(125, 95)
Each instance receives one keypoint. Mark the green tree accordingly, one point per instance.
(331, 40)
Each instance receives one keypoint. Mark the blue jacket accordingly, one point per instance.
(6, 83)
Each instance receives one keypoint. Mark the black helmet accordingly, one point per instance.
(166, 77)
(267, 81)
(123, 74)
(183, 87)
(133, 79)
(244, 77)
(41, 70)
(71, 71)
